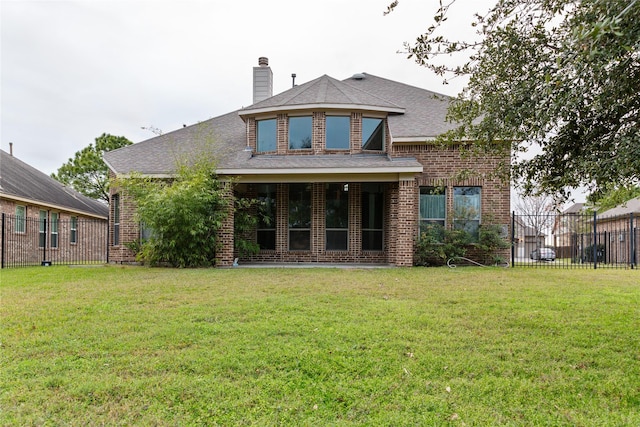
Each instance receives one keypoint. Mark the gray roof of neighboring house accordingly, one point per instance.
(629, 207)
(21, 181)
(573, 209)
(414, 114)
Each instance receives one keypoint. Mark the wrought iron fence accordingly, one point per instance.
(575, 241)
(33, 241)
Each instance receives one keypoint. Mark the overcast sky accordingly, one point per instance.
(72, 70)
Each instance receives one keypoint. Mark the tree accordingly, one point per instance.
(183, 215)
(609, 197)
(558, 78)
(86, 172)
(538, 212)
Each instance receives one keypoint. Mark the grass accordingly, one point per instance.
(469, 346)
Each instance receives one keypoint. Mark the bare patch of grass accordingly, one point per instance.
(127, 345)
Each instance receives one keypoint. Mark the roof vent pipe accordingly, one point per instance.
(293, 80)
(11, 149)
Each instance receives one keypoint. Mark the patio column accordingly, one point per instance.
(224, 255)
(403, 223)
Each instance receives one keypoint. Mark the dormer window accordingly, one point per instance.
(266, 135)
(337, 132)
(372, 134)
(300, 131)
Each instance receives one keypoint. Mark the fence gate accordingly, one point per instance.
(33, 241)
(575, 241)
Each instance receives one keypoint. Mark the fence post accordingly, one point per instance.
(513, 238)
(594, 247)
(632, 242)
(4, 241)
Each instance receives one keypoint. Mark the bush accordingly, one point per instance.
(436, 245)
(490, 241)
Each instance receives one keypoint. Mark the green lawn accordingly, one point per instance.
(466, 346)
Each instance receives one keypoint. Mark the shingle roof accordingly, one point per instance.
(19, 180)
(629, 207)
(415, 115)
(324, 90)
(353, 163)
(425, 111)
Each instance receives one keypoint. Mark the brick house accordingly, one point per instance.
(44, 221)
(347, 171)
(618, 232)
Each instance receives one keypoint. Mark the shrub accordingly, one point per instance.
(436, 245)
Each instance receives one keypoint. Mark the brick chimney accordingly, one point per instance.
(262, 80)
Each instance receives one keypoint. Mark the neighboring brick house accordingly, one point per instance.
(44, 221)
(618, 232)
(347, 170)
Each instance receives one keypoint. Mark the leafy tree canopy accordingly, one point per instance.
(86, 172)
(611, 196)
(559, 78)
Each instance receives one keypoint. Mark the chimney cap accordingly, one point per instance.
(263, 61)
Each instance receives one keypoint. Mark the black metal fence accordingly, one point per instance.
(575, 241)
(32, 241)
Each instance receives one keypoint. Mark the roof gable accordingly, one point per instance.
(19, 180)
(326, 92)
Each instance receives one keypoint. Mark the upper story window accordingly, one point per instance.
(300, 131)
(337, 132)
(372, 134)
(266, 135)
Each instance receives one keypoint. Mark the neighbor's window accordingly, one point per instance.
(267, 216)
(266, 135)
(300, 132)
(337, 216)
(467, 209)
(433, 207)
(337, 132)
(73, 226)
(21, 213)
(115, 200)
(54, 229)
(372, 134)
(42, 229)
(372, 216)
(299, 217)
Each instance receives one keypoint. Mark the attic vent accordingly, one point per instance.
(358, 76)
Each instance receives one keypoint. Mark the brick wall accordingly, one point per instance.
(23, 248)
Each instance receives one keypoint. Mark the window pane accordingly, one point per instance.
(299, 240)
(432, 206)
(54, 229)
(337, 209)
(372, 240)
(337, 240)
(73, 238)
(337, 216)
(42, 238)
(299, 206)
(372, 134)
(299, 217)
(372, 216)
(467, 209)
(267, 239)
(266, 235)
(266, 135)
(299, 132)
(337, 134)
(115, 199)
(20, 219)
